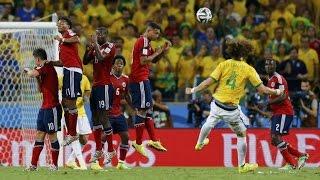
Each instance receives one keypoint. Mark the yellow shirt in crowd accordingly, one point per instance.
(85, 86)
(310, 58)
(209, 64)
(232, 77)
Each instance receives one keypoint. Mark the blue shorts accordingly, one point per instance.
(101, 97)
(71, 87)
(280, 124)
(141, 94)
(49, 120)
(119, 124)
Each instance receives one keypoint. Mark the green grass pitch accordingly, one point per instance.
(10, 173)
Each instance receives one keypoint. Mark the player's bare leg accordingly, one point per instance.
(71, 122)
(37, 148)
(139, 125)
(55, 147)
(124, 147)
(276, 140)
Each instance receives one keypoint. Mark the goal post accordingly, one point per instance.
(19, 97)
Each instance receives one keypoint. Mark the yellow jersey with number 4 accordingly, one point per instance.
(232, 77)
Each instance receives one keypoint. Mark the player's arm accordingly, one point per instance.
(73, 39)
(88, 55)
(202, 86)
(278, 99)
(165, 48)
(31, 72)
(54, 63)
(257, 83)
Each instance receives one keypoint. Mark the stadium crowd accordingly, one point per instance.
(285, 30)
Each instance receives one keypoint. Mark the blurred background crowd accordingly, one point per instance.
(285, 30)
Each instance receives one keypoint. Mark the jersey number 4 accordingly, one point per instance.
(231, 81)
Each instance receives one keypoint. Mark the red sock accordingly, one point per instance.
(123, 151)
(139, 133)
(55, 155)
(66, 118)
(73, 116)
(108, 134)
(287, 157)
(55, 146)
(149, 124)
(97, 138)
(294, 151)
(37, 148)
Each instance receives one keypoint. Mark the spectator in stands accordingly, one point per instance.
(41, 7)
(199, 109)
(282, 54)
(82, 13)
(27, 12)
(308, 105)
(209, 63)
(185, 72)
(175, 51)
(7, 13)
(314, 41)
(278, 38)
(185, 35)
(293, 70)
(172, 28)
(281, 11)
(310, 58)
(160, 15)
(208, 40)
(119, 24)
(112, 13)
(161, 112)
(262, 42)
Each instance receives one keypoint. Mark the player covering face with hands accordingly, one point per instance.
(140, 87)
(101, 53)
(49, 116)
(229, 79)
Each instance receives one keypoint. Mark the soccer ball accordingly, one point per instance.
(204, 15)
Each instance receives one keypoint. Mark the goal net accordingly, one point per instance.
(19, 97)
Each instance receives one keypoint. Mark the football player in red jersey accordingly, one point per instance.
(282, 116)
(140, 88)
(118, 121)
(49, 117)
(101, 53)
(72, 75)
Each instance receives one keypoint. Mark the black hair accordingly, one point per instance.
(67, 20)
(40, 53)
(102, 28)
(119, 57)
(154, 25)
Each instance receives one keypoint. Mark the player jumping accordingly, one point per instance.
(101, 53)
(49, 116)
(282, 116)
(118, 121)
(230, 78)
(140, 88)
(72, 75)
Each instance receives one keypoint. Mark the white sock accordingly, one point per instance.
(204, 132)
(242, 150)
(77, 152)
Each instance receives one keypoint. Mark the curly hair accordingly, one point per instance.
(239, 48)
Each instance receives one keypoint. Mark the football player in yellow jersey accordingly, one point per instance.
(83, 126)
(230, 78)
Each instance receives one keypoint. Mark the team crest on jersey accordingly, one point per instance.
(272, 84)
(148, 104)
(124, 84)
